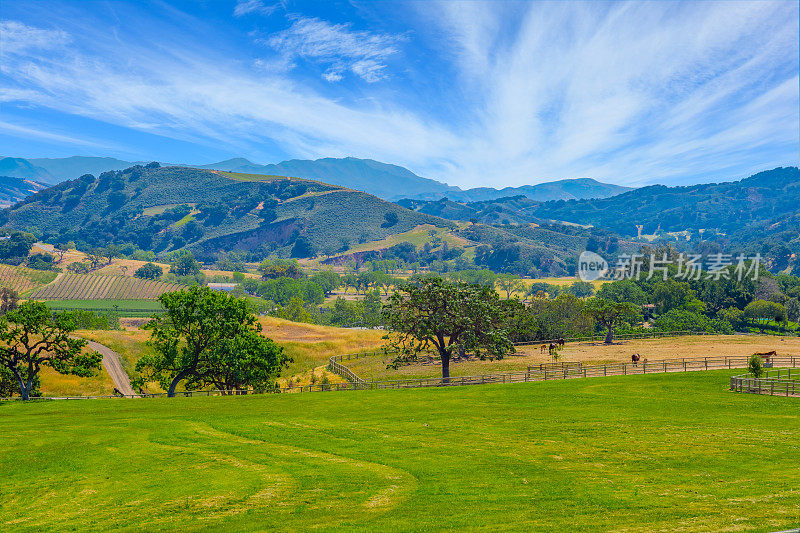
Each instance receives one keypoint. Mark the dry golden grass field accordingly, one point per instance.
(374, 368)
(309, 346)
(55, 384)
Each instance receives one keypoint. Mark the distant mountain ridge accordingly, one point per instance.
(389, 182)
(386, 181)
(566, 189)
(17, 167)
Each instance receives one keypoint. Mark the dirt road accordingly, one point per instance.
(113, 366)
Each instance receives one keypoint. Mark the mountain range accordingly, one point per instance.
(213, 211)
(389, 182)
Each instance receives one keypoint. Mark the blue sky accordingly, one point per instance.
(473, 94)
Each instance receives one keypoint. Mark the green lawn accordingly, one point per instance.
(131, 308)
(674, 452)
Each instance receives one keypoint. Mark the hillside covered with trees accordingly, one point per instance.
(165, 209)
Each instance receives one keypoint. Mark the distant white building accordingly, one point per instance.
(224, 287)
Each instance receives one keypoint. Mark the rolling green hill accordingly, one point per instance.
(163, 209)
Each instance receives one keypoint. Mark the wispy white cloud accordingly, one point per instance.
(16, 37)
(52, 136)
(635, 92)
(258, 7)
(197, 97)
(571, 89)
(337, 46)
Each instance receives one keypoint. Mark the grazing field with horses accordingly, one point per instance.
(374, 368)
(673, 452)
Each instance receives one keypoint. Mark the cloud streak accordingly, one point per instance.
(337, 46)
(257, 7)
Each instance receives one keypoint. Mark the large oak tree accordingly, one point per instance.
(206, 338)
(448, 317)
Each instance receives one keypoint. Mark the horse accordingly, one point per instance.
(561, 342)
(635, 359)
(543, 348)
(773, 352)
(552, 348)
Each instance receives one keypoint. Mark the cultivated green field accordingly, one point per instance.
(674, 452)
(135, 308)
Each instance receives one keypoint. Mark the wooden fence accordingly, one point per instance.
(781, 381)
(335, 365)
(534, 374)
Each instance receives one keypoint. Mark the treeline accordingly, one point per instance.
(711, 302)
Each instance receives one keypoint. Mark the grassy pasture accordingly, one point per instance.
(55, 384)
(674, 452)
(374, 368)
(310, 345)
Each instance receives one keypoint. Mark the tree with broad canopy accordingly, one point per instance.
(450, 317)
(609, 314)
(31, 338)
(205, 338)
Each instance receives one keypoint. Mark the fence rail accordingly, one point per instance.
(335, 366)
(779, 381)
(774, 381)
(585, 371)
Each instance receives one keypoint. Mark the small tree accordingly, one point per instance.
(184, 264)
(63, 248)
(581, 289)
(609, 314)
(763, 311)
(448, 317)
(31, 339)
(755, 365)
(390, 219)
(509, 284)
(208, 337)
(9, 300)
(149, 271)
(793, 309)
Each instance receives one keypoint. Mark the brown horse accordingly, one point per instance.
(773, 352)
(543, 348)
(635, 359)
(552, 348)
(561, 342)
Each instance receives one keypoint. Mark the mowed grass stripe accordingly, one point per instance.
(642, 453)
